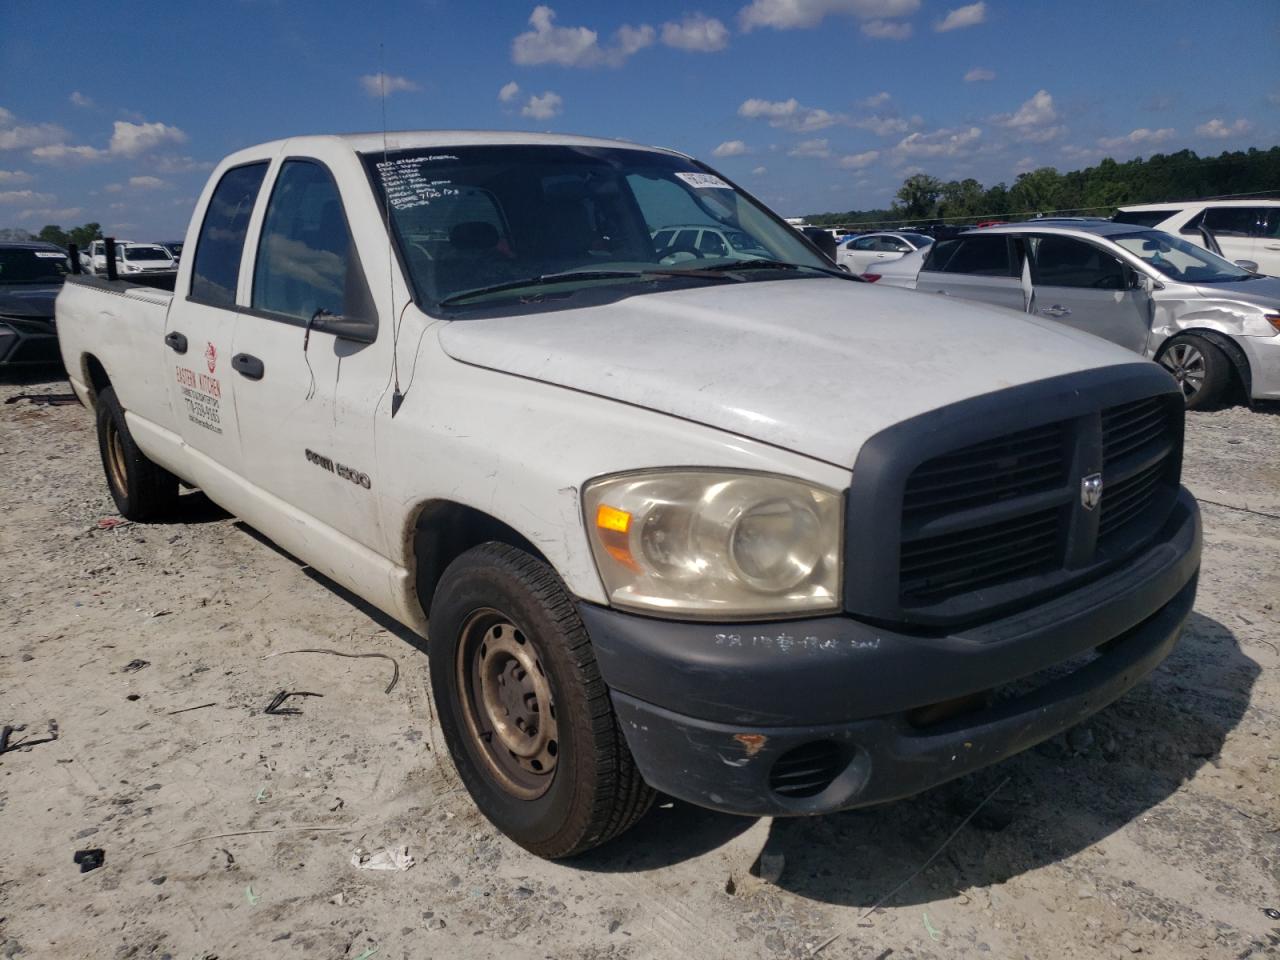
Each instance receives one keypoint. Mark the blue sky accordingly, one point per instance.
(812, 104)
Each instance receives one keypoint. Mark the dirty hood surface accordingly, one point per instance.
(815, 365)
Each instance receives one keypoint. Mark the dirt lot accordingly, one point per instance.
(228, 832)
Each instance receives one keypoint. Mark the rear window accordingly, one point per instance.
(221, 241)
(1145, 218)
(1234, 221)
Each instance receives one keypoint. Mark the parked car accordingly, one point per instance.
(745, 531)
(144, 258)
(94, 259)
(1211, 323)
(31, 274)
(1246, 230)
(698, 241)
(860, 254)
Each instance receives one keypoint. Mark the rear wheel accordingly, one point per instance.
(141, 490)
(525, 713)
(1201, 369)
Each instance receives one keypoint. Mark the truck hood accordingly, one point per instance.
(815, 366)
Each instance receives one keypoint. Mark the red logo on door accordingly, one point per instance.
(211, 356)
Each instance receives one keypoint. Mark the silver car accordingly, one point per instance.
(1211, 323)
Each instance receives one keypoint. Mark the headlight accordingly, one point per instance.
(708, 543)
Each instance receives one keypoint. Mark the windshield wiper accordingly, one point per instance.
(735, 266)
(570, 275)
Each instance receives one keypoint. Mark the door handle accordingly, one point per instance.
(176, 342)
(941, 293)
(248, 366)
(1056, 311)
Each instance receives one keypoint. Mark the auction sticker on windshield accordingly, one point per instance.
(703, 181)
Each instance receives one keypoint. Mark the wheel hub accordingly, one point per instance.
(1187, 364)
(509, 705)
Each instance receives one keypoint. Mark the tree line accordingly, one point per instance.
(81, 236)
(1093, 191)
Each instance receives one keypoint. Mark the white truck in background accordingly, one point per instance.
(750, 532)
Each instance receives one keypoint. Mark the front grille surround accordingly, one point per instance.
(972, 512)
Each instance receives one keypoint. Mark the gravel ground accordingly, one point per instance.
(228, 832)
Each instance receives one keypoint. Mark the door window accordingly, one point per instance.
(712, 244)
(216, 270)
(987, 256)
(1233, 221)
(1066, 262)
(866, 243)
(305, 249)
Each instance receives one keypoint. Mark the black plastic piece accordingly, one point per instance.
(177, 342)
(90, 859)
(248, 366)
(109, 250)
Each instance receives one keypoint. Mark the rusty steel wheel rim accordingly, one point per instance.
(116, 470)
(508, 704)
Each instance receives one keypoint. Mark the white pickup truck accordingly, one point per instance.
(750, 532)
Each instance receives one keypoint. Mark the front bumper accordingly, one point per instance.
(1263, 354)
(26, 342)
(737, 717)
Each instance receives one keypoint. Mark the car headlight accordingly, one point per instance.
(715, 544)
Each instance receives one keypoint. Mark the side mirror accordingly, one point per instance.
(346, 328)
(1250, 265)
(1140, 281)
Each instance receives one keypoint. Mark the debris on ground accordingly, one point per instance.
(133, 666)
(391, 858)
(8, 745)
(90, 859)
(44, 399)
(395, 664)
(275, 709)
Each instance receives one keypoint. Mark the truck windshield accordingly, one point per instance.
(473, 222)
(146, 253)
(1179, 260)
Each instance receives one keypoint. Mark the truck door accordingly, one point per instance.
(201, 325)
(306, 396)
(1084, 286)
(986, 267)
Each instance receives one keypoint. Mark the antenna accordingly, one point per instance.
(397, 395)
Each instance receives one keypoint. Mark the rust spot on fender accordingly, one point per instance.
(753, 743)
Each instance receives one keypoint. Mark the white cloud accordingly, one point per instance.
(730, 148)
(544, 107)
(876, 100)
(1025, 165)
(961, 17)
(171, 163)
(757, 171)
(25, 196)
(939, 143)
(801, 14)
(859, 161)
(509, 92)
(50, 215)
(979, 74)
(575, 46)
(883, 126)
(1139, 137)
(62, 153)
(377, 84)
(696, 33)
(887, 30)
(1220, 129)
(80, 100)
(131, 139)
(16, 136)
(15, 176)
(789, 114)
(1037, 111)
(113, 188)
(811, 148)
(148, 183)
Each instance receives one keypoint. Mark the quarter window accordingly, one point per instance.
(216, 270)
(305, 250)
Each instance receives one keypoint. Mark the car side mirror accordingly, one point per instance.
(1250, 265)
(346, 328)
(1140, 281)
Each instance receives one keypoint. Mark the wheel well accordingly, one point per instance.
(444, 531)
(1243, 376)
(96, 374)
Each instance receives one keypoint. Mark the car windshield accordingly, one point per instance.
(1179, 260)
(469, 220)
(32, 266)
(146, 253)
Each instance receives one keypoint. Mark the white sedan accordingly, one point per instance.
(862, 253)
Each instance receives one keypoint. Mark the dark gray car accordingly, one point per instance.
(31, 274)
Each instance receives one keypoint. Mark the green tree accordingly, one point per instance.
(84, 235)
(918, 197)
(1038, 191)
(53, 234)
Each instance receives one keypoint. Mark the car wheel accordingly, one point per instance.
(525, 713)
(141, 490)
(1201, 369)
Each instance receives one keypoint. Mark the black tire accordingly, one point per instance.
(1200, 367)
(497, 602)
(141, 489)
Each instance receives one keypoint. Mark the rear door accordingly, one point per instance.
(306, 397)
(201, 324)
(1083, 285)
(986, 267)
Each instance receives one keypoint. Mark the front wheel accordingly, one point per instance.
(524, 710)
(1201, 369)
